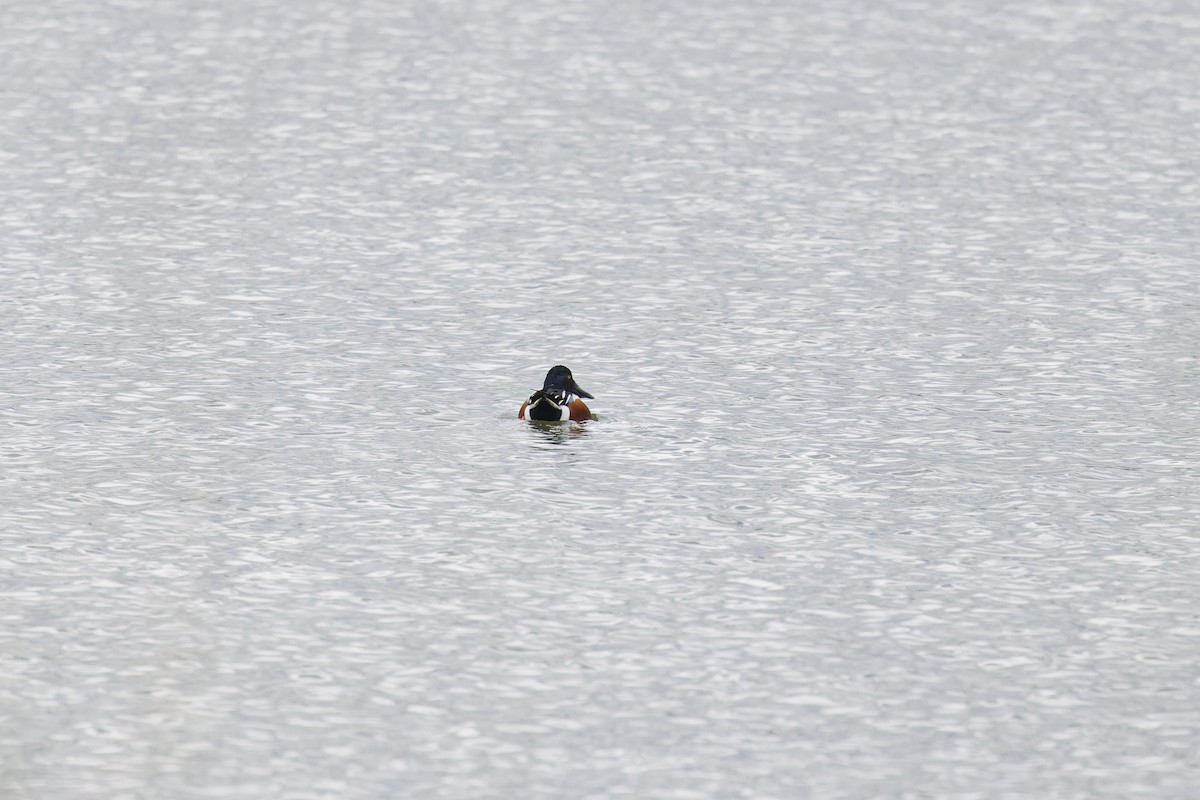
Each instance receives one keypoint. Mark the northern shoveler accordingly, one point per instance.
(558, 399)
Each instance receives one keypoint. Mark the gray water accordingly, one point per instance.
(891, 315)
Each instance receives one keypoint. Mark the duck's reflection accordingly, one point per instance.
(559, 432)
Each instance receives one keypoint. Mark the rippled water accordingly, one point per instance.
(890, 311)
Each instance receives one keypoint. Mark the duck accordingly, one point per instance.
(559, 399)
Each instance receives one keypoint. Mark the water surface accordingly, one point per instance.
(890, 311)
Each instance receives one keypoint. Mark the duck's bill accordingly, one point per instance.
(575, 389)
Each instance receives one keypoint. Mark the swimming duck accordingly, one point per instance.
(558, 399)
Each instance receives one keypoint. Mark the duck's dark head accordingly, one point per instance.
(559, 379)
